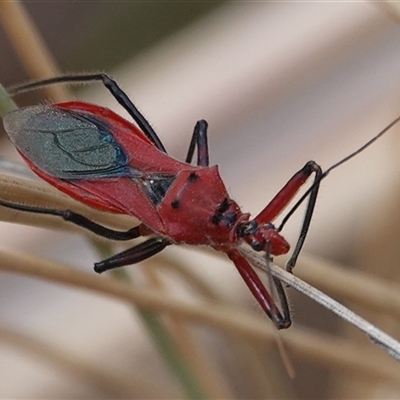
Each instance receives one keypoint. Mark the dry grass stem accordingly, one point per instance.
(372, 292)
(180, 270)
(209, 376)
(333, 352)
(30, 47)
(115, 383)
(248, 352)
(186, 343)
(41, 194)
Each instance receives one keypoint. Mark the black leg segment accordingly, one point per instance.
(199, 138)
(283, 321)
(77, 219)
(312, 193)
(133, 255)
(114, 89)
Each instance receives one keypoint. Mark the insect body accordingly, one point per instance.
(107, 162)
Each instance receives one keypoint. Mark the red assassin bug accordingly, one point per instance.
(106, 162)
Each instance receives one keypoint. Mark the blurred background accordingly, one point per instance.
(280, 84)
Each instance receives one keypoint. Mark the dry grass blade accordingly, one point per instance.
(333, 352)
(207, 373)
(114, 383)
(29, 45)
(40, 194)
(365, 289)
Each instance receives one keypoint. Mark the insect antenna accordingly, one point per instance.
(334, 166)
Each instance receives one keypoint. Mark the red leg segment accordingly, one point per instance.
(260, 292)
(286, 194)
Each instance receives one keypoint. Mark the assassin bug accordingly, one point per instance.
(109, 163)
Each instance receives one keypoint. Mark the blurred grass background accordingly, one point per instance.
(87, 35)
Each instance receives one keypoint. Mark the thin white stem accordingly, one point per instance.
(389, 344)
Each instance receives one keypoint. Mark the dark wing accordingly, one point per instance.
(67, 144)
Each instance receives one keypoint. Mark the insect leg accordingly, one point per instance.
(261, 294)
(133, 255)
(307, 219)
(284, 196)
(78, 219)
(283, 301)
(114, 89)
(199, 138)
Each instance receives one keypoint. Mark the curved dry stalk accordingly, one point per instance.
(179, 269)
(29, 45)
(41, 194)
(207, 375)
(332, 352)
(389, 344)
(115, 383)
(246, 351)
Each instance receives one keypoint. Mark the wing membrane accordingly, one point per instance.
(67, 144)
